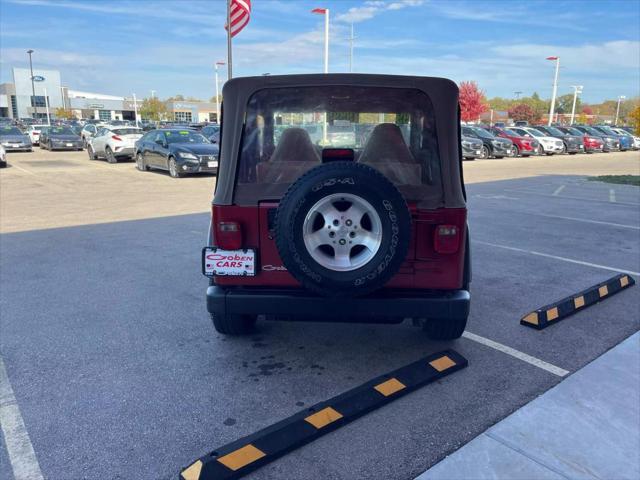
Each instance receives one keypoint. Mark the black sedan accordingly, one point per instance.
(492, 146)
(176, 150)
(572, 143)
(60, 138)
(13, 140)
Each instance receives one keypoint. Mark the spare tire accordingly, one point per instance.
(342, 229)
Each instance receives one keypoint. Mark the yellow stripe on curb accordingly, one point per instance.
(241, 457)
(578, 302)
(193, 472)
(390, 387)
(552, 314)
(603, 291)
(624, 281)
(442, 363)
(324, 417)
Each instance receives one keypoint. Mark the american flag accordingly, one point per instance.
(239, 15)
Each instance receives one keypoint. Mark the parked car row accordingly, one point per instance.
(524, 140)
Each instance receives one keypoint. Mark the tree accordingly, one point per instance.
(634, 116)
(587, 110)
(501, 104)
(63, 113)
(153, 109)
(525, 112)
(176, 98)
(564, 103)
(472, 101)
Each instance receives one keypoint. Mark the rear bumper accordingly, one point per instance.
(385, 303)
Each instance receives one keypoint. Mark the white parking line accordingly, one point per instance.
(19, 449)
(536, 362)
(558, 190)
(22, 169)
(555, 257)
(612, 195)
(597, 222)
(565, 197)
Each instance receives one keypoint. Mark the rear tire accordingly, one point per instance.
(516, 151)
(444, 328)
(110, 156)
(91, 153)
(485, 153)
(233, 324)
(173, 168)
(140, 163)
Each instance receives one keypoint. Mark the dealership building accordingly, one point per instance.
(17, 99)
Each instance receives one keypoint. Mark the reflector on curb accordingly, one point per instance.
(251, 452)
(556, 311)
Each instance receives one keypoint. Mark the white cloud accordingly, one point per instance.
(372, 8)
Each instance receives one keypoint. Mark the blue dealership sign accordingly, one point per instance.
(38, 78)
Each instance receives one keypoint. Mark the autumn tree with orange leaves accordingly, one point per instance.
(472, 101)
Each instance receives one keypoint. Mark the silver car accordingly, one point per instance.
(12, 139)
(113, 143)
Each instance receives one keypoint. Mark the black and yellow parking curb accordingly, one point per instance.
(251, 452)
(556, 311)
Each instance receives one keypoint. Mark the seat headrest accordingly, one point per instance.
(386, 144)
(295, 146)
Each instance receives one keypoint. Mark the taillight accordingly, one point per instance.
(228, 235)
(446, 239)
(115, 137)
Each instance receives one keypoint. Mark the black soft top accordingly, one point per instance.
(442, 92)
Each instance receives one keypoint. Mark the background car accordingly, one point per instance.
(13, 140)
(88, 132)
(610, 142)
(524, 146)
(590, 143)
(572, 143)
(625, 140)
(34, 133)
(471, 148)
(60, 138)
(212, 132)
(492, 146)
(3, 157)
(178, 151)
(113, 143)
(636, 139)
(548, 145)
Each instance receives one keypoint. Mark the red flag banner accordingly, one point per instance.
(319, 10)
(239, 15)
(552, 58)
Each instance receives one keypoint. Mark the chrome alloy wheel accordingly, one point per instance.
(342, 232)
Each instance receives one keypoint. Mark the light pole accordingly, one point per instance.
(555, 89)
(576, 90)
(351, 39)
(518, 95)
(325, 12)
(620, 98)
(217, 93)
(46, 104)
(135, 109)
(33, 85)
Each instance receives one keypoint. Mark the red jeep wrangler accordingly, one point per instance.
(339, 197)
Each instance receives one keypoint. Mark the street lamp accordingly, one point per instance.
(33, 85)
(576, 90)
(555, 89)
(135, 108)
(217, 94)
(620, 98)
(518, 93)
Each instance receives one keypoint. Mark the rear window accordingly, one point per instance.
(127, 131)
(390, 129)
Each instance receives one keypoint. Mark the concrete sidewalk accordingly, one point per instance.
(588, 426)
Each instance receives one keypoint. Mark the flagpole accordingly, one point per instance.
(229, 53)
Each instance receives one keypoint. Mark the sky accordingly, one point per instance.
(120, 47)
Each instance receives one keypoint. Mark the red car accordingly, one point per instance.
(373, 229)
(523, 146)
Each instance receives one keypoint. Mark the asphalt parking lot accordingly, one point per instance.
(118, 372)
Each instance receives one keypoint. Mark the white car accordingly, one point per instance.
(34, 133)
(636, 140)
(113, 143)
(3, 157)
(548, 145)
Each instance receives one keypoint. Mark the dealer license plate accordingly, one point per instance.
(69, 144)
(16, 145)
(478, 152)
(216, 261)
(212, 164)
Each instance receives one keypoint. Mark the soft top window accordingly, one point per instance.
(290, 130)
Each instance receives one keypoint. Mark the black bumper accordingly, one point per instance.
(385, 303)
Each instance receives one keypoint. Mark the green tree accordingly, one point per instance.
(176, 98)
(564, 103)
(634, 117)
(153, 109)
(501, 104)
